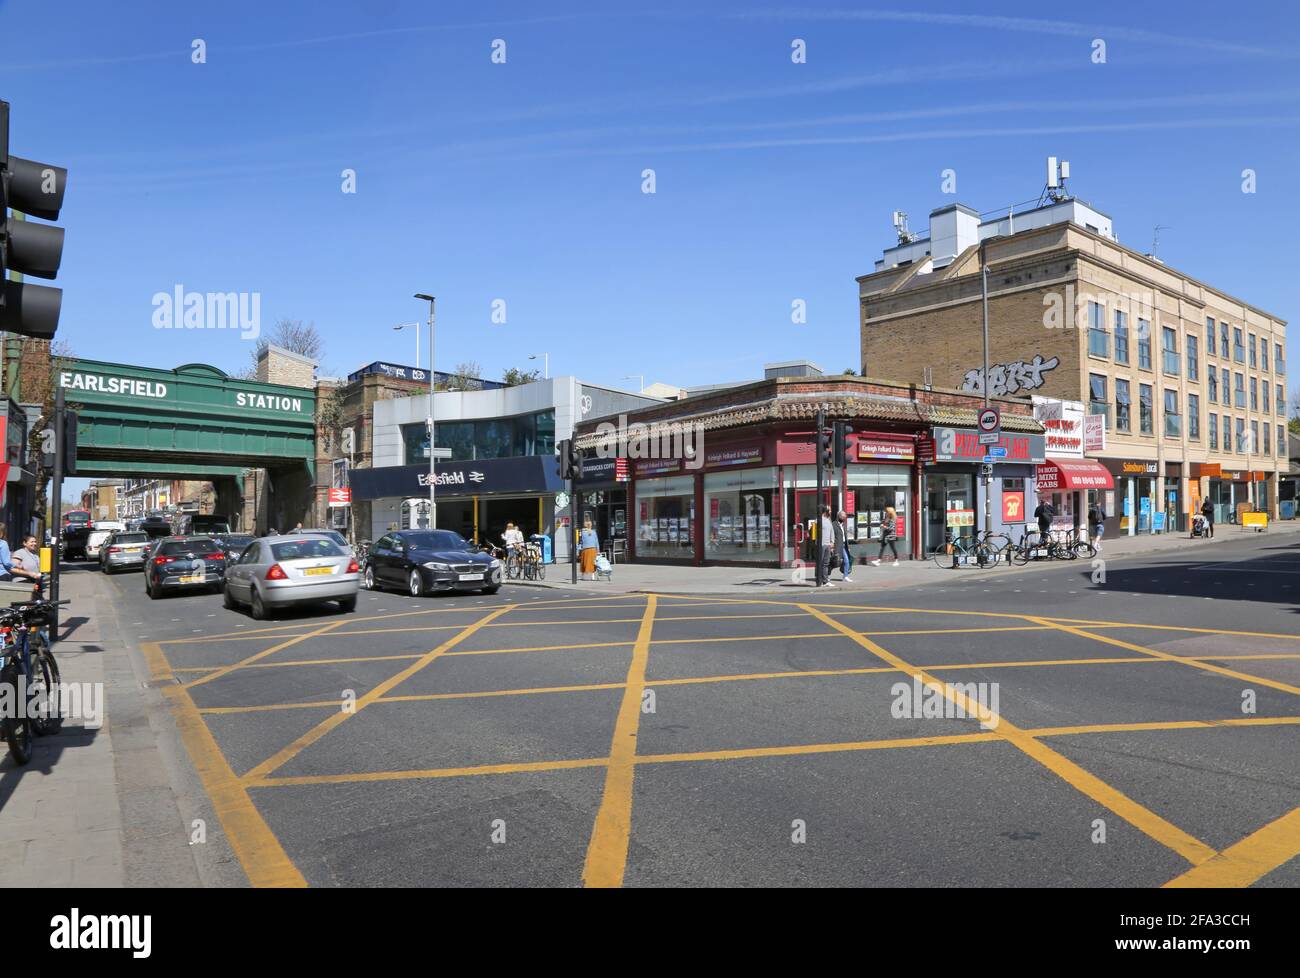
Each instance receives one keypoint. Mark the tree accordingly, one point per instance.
(1293, 425)
(514, 376)
(40, 364)
(293, 335)
(849, 372)
(467, 376)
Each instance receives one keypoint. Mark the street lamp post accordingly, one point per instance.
(546, 363)
(433, 484)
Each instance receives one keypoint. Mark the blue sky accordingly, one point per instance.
(522, 181)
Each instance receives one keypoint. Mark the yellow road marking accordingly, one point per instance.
(607, 849)
(243, 663)
(802, 749)
(1185, 660)
(1254, 857)
(524, 767)
(1164, 832)
(329, 723)
(1163, 725)
(259, 852)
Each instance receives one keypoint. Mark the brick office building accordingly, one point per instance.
(747, 493)
(1189, 381)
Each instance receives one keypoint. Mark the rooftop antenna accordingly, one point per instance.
(1155, 240)
(1057, 175)
(900, 225)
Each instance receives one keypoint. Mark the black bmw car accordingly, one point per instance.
(422, 561)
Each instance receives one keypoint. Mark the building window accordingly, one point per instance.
(1173, 420)
(1144, 344)
(1280, 407)
(1212, 376)
(738, 513)
(1227, 387)
(1223, 339)
(1098, 403)
(1227, 433)
(1122, 415)
(1172, 365)
(665, 517)
(1193, 358)
(1241, 436)
(1254, 394)
(1263, 352)
(1098, 341)
(1213, 419)
(1281, 440)
(1146, 410)
(1268, 446)
(1279, 365)
(1253, 358)
(1254, 437)
(1193, 417)
(1238, 350)
(1209, 336)
(1239, 391)
(1121, 336)
(484, 438)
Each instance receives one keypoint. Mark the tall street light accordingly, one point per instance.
(433, 499)
(546, 363)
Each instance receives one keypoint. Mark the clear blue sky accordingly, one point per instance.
(522, 181)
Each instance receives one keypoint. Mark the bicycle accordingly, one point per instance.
(29, 668)
(514, 563)
(960, 551)
(534, 569)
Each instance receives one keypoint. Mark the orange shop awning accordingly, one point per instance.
(1057, 474)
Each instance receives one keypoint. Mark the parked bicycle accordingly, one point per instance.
(531, 562)
(30, 676)
(963, 551)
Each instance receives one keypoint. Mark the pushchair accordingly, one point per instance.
(1198, 525)
(604, 569)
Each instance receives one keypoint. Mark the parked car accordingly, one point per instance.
(123, 549)
(102, 531)
(184, 563)
(276, 572)
(233, 544)
(334, 535)
(422, 561)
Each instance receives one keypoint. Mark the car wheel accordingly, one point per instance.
(348, 605)
(414, 584)
(369, 578)
(149, 589)
(256, 608)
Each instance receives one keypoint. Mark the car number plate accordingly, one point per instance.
(318, 571)
(193, 578)
(471, 577)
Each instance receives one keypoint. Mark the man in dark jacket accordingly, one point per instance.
(1207, 510)
(1044, 514)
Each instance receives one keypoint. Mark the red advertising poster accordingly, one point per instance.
(645, 510)
(900, 524)
(713, 508)
(850, 500)
(1013, 507)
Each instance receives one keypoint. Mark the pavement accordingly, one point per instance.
(638, 578)
(1137, 727)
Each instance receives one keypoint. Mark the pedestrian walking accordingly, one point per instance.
(1207, 510)
(826, 544)
(588, 546)
(1096, 523)
(888, 536)
(846, 555)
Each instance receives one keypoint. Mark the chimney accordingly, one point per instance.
(953, 229)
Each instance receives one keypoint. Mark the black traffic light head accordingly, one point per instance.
(26, 248)
(840, 445)
(575, 461)
(826, 449)
(69, 442)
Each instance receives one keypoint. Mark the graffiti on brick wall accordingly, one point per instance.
(1010, 378)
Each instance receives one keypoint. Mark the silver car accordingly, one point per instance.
(123, 548)
(276, 572)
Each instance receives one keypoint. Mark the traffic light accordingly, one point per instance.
(26, 248)
(68, 443)
(840, 444)
(570, 460)
(826, 448)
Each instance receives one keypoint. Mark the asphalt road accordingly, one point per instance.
(1141, 726)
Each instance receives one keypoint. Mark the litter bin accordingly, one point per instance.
(543, 541)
